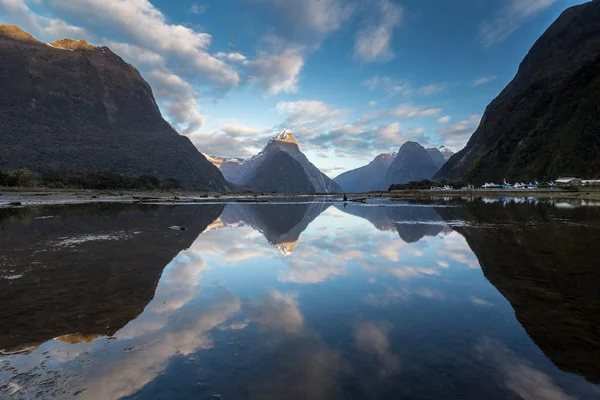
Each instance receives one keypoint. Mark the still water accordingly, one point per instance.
(301, 300)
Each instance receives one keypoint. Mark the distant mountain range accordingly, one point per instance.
(411, 163)
(70, 106)
(279, 167)
(545, 123)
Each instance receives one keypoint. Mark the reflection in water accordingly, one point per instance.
(86, 270)
(353, 312)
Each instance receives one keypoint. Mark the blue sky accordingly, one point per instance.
(350, 78)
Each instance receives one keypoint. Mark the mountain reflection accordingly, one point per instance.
(548, 270)
(85, 270)
(353, 312)
(412, 222)
(280, 223)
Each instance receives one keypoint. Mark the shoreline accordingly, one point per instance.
(14, 197)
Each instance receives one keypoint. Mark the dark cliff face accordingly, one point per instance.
(413, 163)
(545, 122)
(297, 178)
(547, 270)
(280, 172)
(86, 269)
(73, 107)
(370, 177)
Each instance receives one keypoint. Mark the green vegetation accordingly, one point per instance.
(16, 178)
(85, 180)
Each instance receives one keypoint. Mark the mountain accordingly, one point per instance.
(446, 152)
(233, 169)
(370, 177)
(545, 122)
(280, 172)
(70, 106)
(441, 155)
(284, 176)
(413, 163)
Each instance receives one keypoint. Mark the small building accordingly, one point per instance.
(568, 181)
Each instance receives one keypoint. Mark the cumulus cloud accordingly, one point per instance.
(372, 103)
(483, 80)
(509, 19)
(45, 27)
(232, 57)
(302, 113)
(141, 23)
(178, 99)
(373, 42)
(444, 120)
(278, 71)
(457, 135)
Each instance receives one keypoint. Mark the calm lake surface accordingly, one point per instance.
(303, 299)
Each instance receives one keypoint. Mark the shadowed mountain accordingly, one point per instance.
(81, 271)
(280, 172)
(233, 169)
(281, 224)
(412, 222)
(69, 106)
(285, 173)
(370, 177)
(413, 163)
(545, 122)
(548, 270)
(440, 156)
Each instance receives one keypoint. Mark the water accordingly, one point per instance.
(301, 300)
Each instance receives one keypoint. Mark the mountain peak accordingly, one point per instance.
(286, 137)
(70, 44)
(16, 33)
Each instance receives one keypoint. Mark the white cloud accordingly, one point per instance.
(48, 28)
(136, 55)
(432, 89)
(373, 42)
(388, 84)
(444, 119)
(235, 129)
(372, 103)
(410, 111)
(309, 112)
(278, 71)
(509, 19)
(457, 135)
(312, 18)
(144, 25)
(232, 57)
(483, 80)
(198, 9)
(178, 99)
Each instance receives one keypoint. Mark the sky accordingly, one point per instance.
(350, 78)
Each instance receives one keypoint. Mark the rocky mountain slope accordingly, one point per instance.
(370, 177)
(545, 122)
(70, 106)
(413, 163)
(233, 169)
(280, 172)
(440, 156)
(255, 170)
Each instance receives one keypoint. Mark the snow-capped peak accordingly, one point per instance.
(285, 136)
